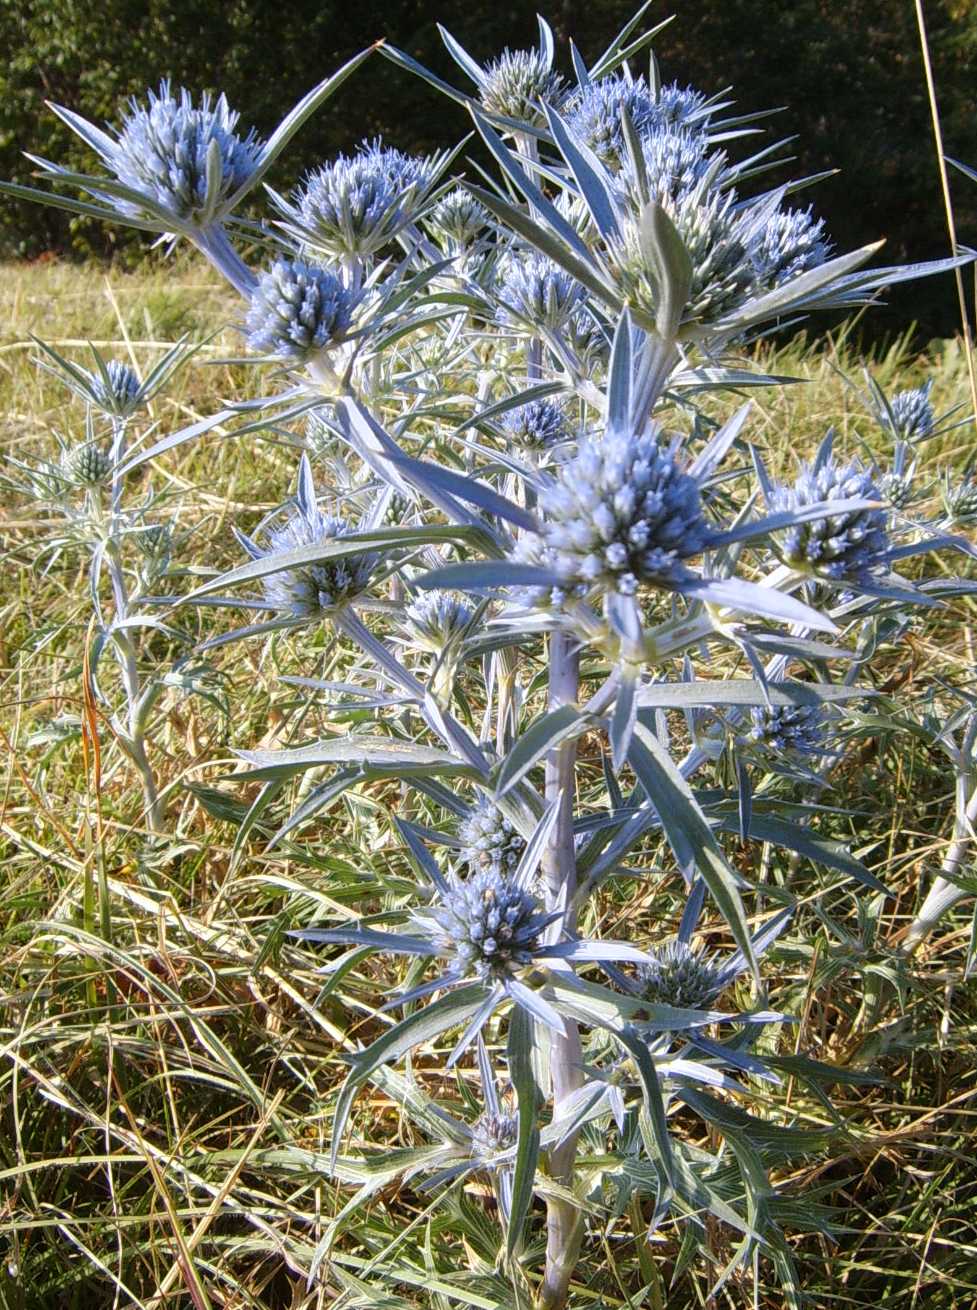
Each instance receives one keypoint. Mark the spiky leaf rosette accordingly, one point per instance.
(517, 83)
(298, 310)
(622, 513)
(842, 547)
(488, 839)
(487, 925)
(682, 975)
(163, 147)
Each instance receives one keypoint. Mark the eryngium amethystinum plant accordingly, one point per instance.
(523, 650)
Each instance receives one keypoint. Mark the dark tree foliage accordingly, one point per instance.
(848, 76)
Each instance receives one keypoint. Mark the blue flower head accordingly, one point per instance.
(457, 219)
(911, 417)
(86, 465)
(493, 1132)
(120, 392)
(538, 293)
(789, 243)
(682, 975)
(489, 840)
(306, 590)
(297, 310)
(538, 425)
(716, 236)
(847, 547)
(800, 729)
(356, 205)
(488, 925)
(434, 618)
(622, 513)
(165, 149)
(518, 82)
(595, 116)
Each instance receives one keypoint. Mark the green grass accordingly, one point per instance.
(169, 1063)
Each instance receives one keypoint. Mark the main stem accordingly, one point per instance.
(564, 1222)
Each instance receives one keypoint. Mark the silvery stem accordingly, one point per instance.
(213, 242)
(945, 893)
(564, 1223)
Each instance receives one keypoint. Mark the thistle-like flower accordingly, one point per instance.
(538, 425)
(434, 619)
(595, 113)
(488, 839)
(488, 925)
(788, 243)
(623, 512)
(306, 590)
(518, 83)
(298, 310)
(186, 159)
(716, 236)
(847, 547)
(910, 414)
(538, 294)
(356, 205)
(493, 1132)
(797, 729)
(118, 394)
(457, 219)
(683, 975)
(960, 498)
(86, 465)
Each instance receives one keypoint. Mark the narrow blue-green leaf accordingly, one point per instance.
(520, 1053)
(537, 741)
(689, 834)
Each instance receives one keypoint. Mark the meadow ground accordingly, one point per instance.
(168, 1063)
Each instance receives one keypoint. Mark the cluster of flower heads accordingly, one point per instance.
(488, 925)
(489, 841)
(848, 547)
(596, 112)
(789, 729)
(623, 512)
(683, 975)
(297, 310)
(434, 619)
(356, 204)
(539, 425)
(163, 150)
